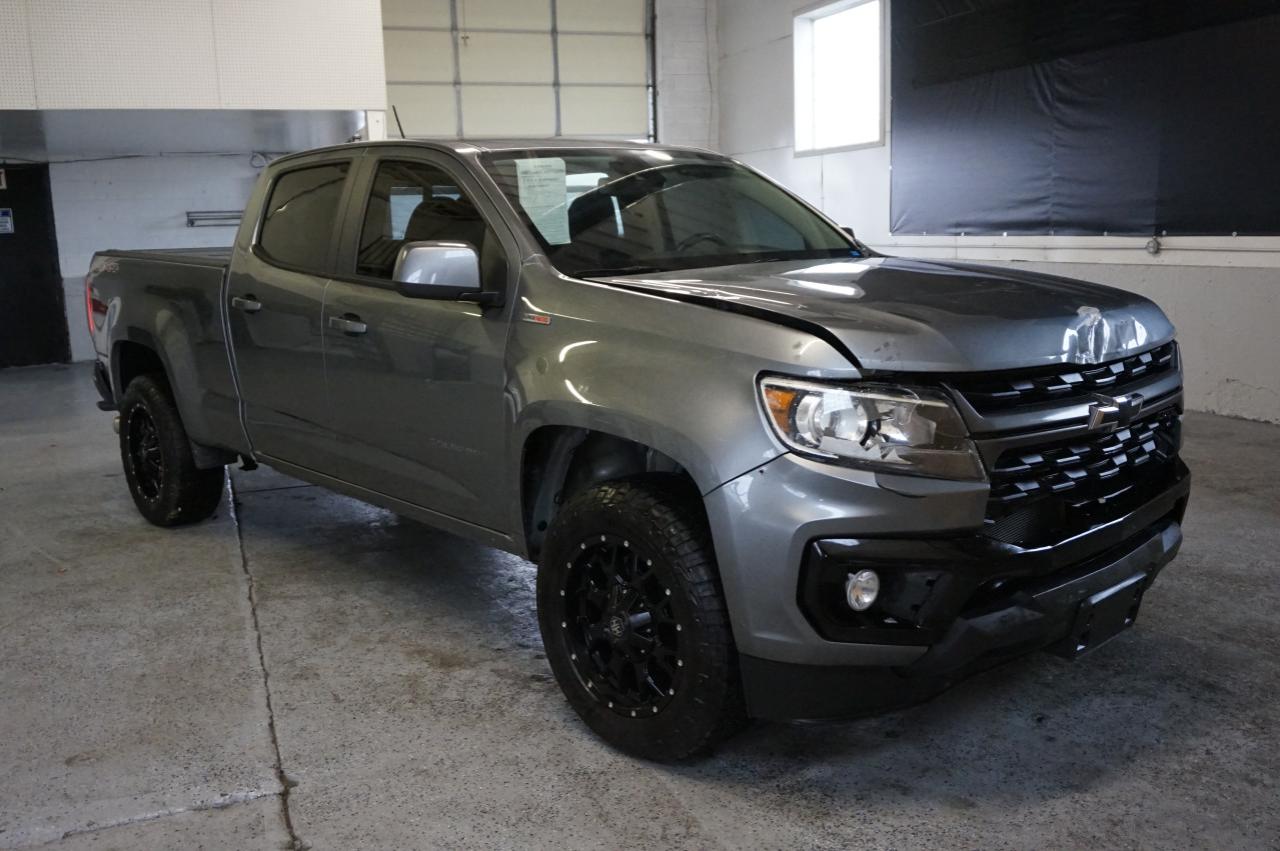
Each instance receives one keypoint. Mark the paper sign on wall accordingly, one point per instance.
(541, 184)
(6, 220)
(4, 184)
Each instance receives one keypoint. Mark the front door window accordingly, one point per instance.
(418, 202)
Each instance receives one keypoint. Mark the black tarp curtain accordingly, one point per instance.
(1085, 117)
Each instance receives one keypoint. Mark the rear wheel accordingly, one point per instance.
(166, 485)
(634, 621)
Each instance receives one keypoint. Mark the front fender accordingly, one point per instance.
(675, 377)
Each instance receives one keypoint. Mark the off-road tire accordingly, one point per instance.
(661, 519)
(166, 485)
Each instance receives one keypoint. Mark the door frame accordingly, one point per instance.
(344, 273)
(328, 265)
(248, 253)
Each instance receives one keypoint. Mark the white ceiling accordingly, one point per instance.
(68, 134)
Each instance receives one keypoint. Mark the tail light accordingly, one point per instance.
(93, 307)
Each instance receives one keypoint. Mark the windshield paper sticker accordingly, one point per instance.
(541, 184)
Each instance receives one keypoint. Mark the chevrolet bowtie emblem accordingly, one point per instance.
(1114, 411)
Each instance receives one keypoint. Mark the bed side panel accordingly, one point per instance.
(175, 309)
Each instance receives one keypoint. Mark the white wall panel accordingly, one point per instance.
(755, 85)
(17, 77)
(415, 13)
(604, 111)
(746, 24)
(603, 59)
(416, 56)
(686, 72)
(600, 15)
(147, 54)
(508, 111)
(276, 52)
(191, 54)
(423, 110)
(506, 58)
(504, 14)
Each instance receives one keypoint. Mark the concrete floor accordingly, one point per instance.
(163, 689)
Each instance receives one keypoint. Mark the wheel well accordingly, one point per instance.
(133, 359)
(561, 461)
(128, 361)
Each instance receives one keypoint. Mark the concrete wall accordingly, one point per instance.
(1223, 293)
(686, 51)
(137, 203)
(191, 54)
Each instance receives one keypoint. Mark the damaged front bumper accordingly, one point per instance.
(950, 605)
(1068, 612)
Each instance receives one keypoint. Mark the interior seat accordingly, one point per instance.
(453, 220)
(446, 219)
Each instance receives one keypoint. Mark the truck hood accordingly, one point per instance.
(898, 315)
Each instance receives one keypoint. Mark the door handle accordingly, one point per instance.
(248, 304)
(348, 324)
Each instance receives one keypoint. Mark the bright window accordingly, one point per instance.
(839, 76)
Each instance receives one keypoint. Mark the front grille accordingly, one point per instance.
(1053, 384)
(1068, 485)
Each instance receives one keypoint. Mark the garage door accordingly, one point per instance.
(520, 67)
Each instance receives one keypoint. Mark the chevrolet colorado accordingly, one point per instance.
(764, 471)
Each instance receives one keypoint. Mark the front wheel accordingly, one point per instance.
(166, 485)
(634, 621)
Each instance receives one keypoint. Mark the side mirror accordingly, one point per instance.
(848, 230)
(445, 271)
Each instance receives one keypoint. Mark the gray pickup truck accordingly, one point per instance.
(764, 471)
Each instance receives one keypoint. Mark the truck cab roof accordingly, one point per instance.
(486, 145)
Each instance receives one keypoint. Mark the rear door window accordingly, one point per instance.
(298, 226)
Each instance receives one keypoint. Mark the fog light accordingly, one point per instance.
(861, 588)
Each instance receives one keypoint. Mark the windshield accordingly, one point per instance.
(631, 211)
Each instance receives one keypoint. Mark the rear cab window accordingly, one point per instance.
(301, 214)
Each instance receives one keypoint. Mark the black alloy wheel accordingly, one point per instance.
(634, 620)
(142, 439)
(621, 628)
(166, 485)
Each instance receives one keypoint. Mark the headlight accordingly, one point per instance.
(893, 429)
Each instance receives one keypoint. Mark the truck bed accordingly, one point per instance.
(170, 301)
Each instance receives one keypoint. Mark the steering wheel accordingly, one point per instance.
(703, 236)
